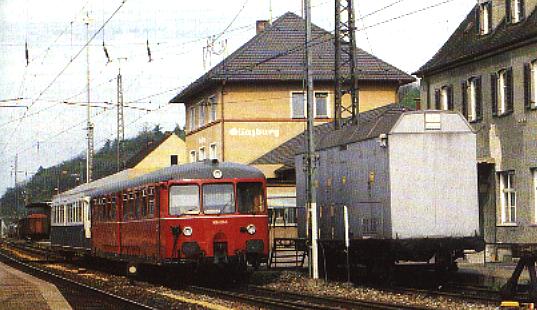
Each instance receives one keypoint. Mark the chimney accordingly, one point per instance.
(260, 26)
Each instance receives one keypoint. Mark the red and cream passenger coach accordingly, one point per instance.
(206, 212)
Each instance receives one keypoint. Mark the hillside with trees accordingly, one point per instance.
(47, 182)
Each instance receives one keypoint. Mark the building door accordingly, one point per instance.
(486, 181)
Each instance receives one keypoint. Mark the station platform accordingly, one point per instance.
(25, 292)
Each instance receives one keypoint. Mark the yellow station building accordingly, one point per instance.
(254, 101)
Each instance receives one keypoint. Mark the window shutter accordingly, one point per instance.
(494, 93)
(509, 86)
(490, 16)
(508, 18)
(527, 86)
(437, 99)
(450, 98)
(478, 99)
(522, 10)
(464, 93)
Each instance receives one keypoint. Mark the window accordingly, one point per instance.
(250, 198)
(507, 197)
(502, 92)
(471, 99)
(213, 105)
(174, 160)
(218, 199)
(514, 11)
(282, 211)
(192, 156)
(201, 154)
(298, 105)
(213, 151)
(530, 85)
(444, 98)
(202, 114)
(321, 104)
(184, 199)
(151, 202)
(192, 120)
(485, 18)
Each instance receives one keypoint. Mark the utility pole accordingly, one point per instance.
(16, 181)
(345, 65)
(16, 171)
(89, 152)
(120, 118)
(311, 159)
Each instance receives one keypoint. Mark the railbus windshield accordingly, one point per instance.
(184, 199)
(250, 198)
(218, 198)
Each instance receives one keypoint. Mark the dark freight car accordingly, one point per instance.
(36, 225)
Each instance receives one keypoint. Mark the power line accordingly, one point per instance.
(66, 66)
(381, 9)
(406, 14)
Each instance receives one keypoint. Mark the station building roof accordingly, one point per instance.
(277, 54)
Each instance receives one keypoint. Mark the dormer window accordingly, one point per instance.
(485, 18)
(514, 11)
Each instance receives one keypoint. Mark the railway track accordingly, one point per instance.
(275, 299)
(79, 295)
(272, 299)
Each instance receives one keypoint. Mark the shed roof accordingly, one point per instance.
(370, 125)
(277, 54)
(466, 44)
(150, 147)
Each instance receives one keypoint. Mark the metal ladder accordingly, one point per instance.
(288, 253)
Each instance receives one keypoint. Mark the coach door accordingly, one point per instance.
(87, 216)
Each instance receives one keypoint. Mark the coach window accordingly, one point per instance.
(114, 208)
(218, 199)
(250, 198)
(151, 201)
(143, 199)
(184, 199)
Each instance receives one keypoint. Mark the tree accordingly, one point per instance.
(180, 132)
(409, 94)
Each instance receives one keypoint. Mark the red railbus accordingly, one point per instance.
(208, 212)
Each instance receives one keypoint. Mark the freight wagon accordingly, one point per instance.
(409, 182)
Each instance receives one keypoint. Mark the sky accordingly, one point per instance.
(404, 33)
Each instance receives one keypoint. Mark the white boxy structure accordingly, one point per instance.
(409, 181)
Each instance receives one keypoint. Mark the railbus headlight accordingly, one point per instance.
(187, 231)
(251, 229)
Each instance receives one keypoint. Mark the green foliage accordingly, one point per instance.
(408, 95)
(68, 174)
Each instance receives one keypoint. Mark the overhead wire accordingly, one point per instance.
(65, 68)
(323, 38)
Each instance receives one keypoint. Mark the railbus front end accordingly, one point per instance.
(215, 221)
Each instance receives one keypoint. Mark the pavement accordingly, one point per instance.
(24, 292)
